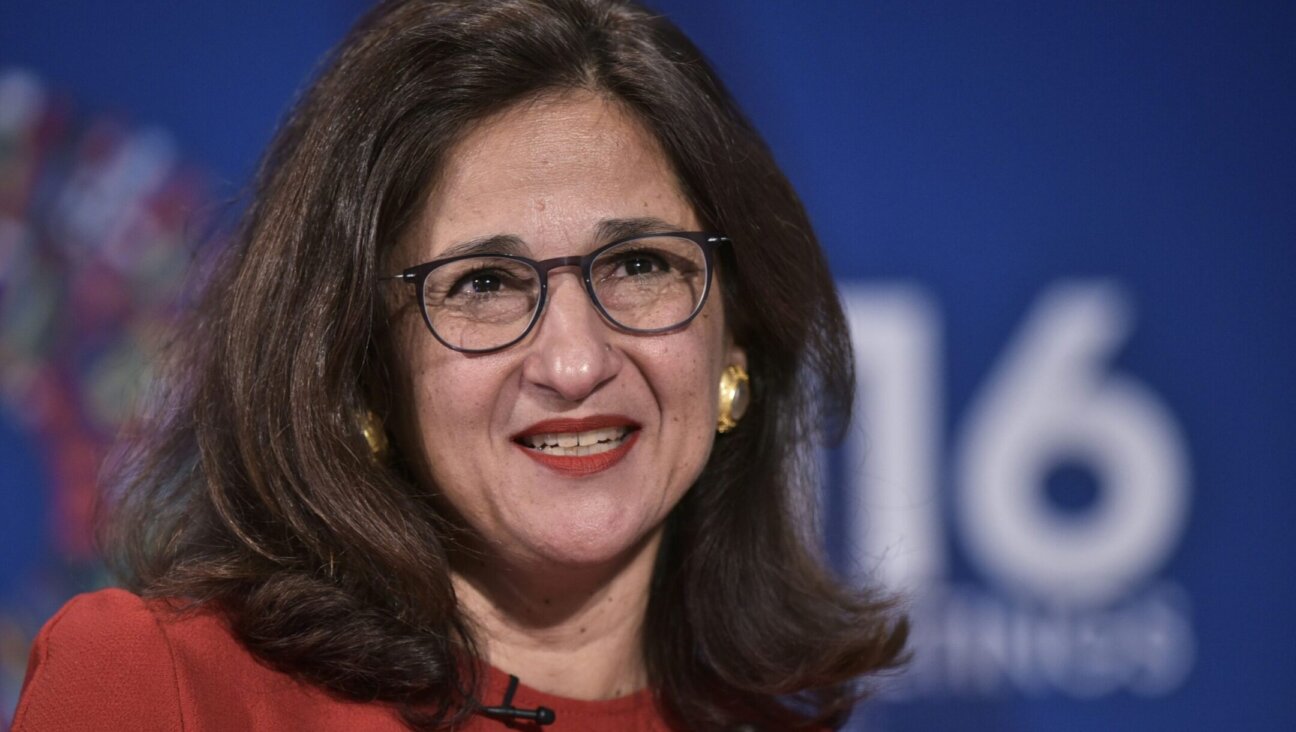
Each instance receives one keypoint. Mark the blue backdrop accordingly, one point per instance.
(1065, 235)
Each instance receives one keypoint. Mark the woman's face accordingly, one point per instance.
(556, 174)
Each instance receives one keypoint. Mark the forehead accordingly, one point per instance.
(550, 172)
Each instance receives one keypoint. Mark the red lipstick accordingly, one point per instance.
(579, 465)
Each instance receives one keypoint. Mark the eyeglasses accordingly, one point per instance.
(650, 283)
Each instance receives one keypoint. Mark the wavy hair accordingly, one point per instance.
(255, 492)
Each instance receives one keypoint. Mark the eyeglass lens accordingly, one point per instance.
(646, 284)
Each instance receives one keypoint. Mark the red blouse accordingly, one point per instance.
(109, 660)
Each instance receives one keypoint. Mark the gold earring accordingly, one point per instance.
(735, 395)
(371, 426)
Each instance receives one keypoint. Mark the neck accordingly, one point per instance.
(575, 632)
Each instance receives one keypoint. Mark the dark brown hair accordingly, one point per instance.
(259, 494)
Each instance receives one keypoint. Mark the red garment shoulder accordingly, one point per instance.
(101, 662)
(111, 660)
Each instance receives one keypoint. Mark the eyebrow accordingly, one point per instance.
(608, 230)
(612, 229)
(492, 244)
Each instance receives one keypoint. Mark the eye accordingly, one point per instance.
(481, 282)
(639, 264)
(476, 282)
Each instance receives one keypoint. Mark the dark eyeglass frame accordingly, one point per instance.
(708, 242)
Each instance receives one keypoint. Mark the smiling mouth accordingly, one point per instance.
(577, 444)
(579, 447)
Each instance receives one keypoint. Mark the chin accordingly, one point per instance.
(587, 543)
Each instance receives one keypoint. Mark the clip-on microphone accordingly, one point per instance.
(506, 710)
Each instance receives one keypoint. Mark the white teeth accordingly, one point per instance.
(594, 437)
(578, 443)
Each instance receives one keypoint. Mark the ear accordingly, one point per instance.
(735, 355)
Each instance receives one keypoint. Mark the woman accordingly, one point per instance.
(469, 403)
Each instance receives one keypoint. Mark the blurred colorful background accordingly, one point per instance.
(1066, 237)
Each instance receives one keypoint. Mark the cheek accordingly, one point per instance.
(452, 404)
(450, 411)
(687, 372)
(442, 401)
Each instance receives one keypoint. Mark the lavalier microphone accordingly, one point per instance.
(540, 715)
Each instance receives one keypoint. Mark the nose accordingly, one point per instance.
(571, 354)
